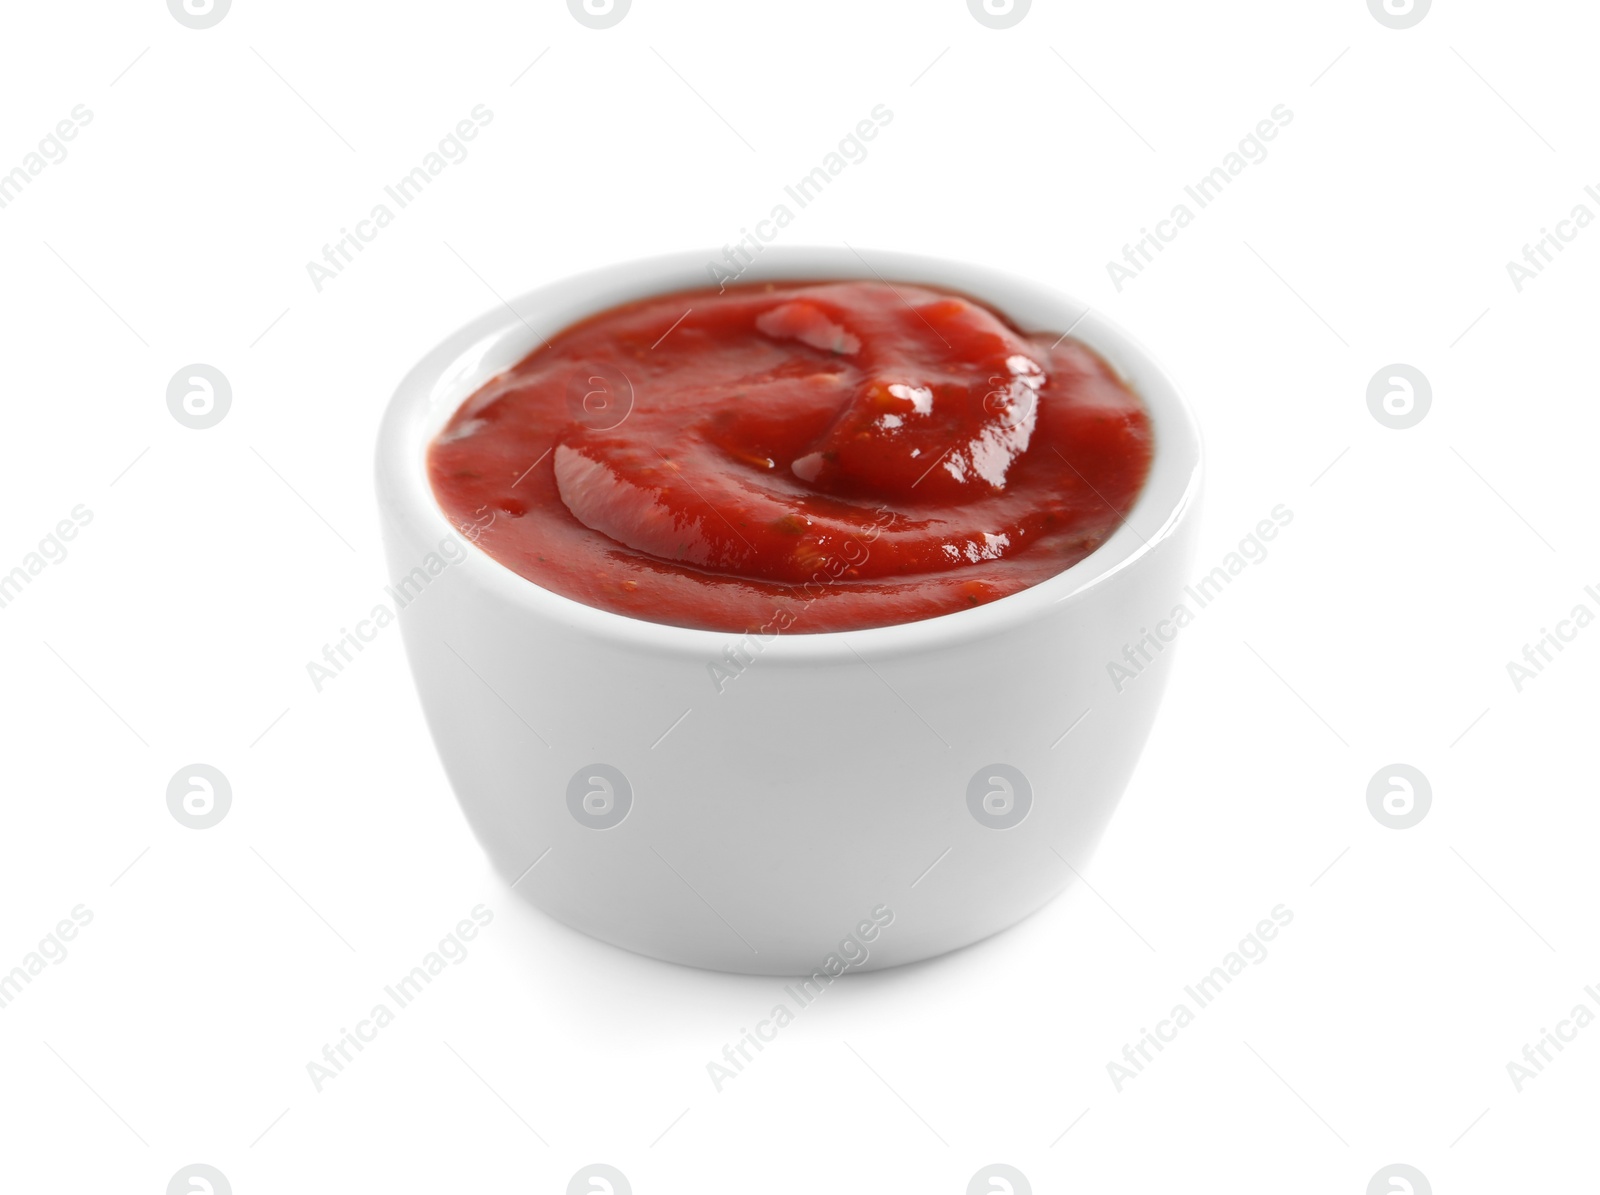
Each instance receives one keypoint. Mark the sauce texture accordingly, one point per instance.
(794, 457)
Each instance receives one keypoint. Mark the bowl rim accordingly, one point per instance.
(433, 389)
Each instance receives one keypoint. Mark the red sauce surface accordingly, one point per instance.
(796, 457)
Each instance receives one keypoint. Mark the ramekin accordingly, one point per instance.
(848, 800)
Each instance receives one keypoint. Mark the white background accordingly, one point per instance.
(219, 562)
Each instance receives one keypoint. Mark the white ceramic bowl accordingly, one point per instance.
(818, 813)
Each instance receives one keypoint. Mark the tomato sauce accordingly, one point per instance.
(797, 457)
